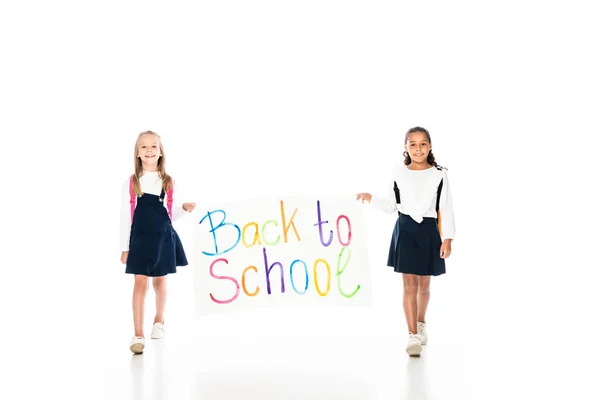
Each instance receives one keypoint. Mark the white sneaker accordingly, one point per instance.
(137, 345)
(422, 330)
(158, 331)
(414, 347)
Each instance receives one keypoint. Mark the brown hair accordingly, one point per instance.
(162, 173)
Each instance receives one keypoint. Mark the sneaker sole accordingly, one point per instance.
(157, 336)
(137, 348)
(414, 350)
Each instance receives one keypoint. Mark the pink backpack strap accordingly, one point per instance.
(170, 200)
(132, 197)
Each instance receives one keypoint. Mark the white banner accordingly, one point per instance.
(281, 251)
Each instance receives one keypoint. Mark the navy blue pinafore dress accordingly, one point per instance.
(154, 246)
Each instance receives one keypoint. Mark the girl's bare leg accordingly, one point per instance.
(139, 294)
(160, 288)
(423, 297)
(410, 301)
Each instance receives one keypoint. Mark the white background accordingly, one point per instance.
(282, 97)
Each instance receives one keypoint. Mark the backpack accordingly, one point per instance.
(437, 202)
(133, 197)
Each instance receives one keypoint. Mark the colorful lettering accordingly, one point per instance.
(213, 230)
(319, 223)
(267, 232)
(256, 236)
(338, 273)
(337, 225)
(317, 261)
(237, 285)
(268, 271)
(244, 281)
(305, 276)
(291, 223)
(264, 236)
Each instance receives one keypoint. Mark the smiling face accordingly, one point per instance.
(418, 147)
(148, 151)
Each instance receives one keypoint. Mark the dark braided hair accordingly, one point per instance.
(430, 156)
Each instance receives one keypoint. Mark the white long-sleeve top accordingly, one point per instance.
(150, 183)
(418, 196)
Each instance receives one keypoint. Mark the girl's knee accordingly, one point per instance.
(141, 283)
(159, 282)
(424, 284)
(410, 284)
